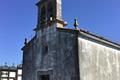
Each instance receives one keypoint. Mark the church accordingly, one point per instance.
(59, 53)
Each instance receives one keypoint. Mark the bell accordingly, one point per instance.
(51, 18)
(76, 23)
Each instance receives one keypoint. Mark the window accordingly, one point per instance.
(3, 79)
(19, 78)
(46, 48)
(43, 15)
(12, 74)
(19, 71)
(4, 74)
(50, 10)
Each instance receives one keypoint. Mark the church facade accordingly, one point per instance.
(59, 53)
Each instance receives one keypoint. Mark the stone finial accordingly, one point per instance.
(76, 23)
(25, 41)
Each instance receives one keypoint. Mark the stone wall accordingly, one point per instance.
(61, 60)
(66, 59)
(98, 61)
(35, 59)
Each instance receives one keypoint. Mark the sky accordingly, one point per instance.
(18, 18)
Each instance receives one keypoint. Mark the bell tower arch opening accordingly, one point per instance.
(49, 12)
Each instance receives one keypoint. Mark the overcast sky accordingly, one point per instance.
(18, 18)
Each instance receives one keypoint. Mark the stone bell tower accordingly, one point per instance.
(49, 12)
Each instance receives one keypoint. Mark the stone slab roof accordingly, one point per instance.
(86, 34)
(90, 36)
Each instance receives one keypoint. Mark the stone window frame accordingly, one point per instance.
(45, 49)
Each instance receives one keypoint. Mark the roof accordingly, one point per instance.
(91, 36)
(8, 68)
(85, 34)
(19, 66)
